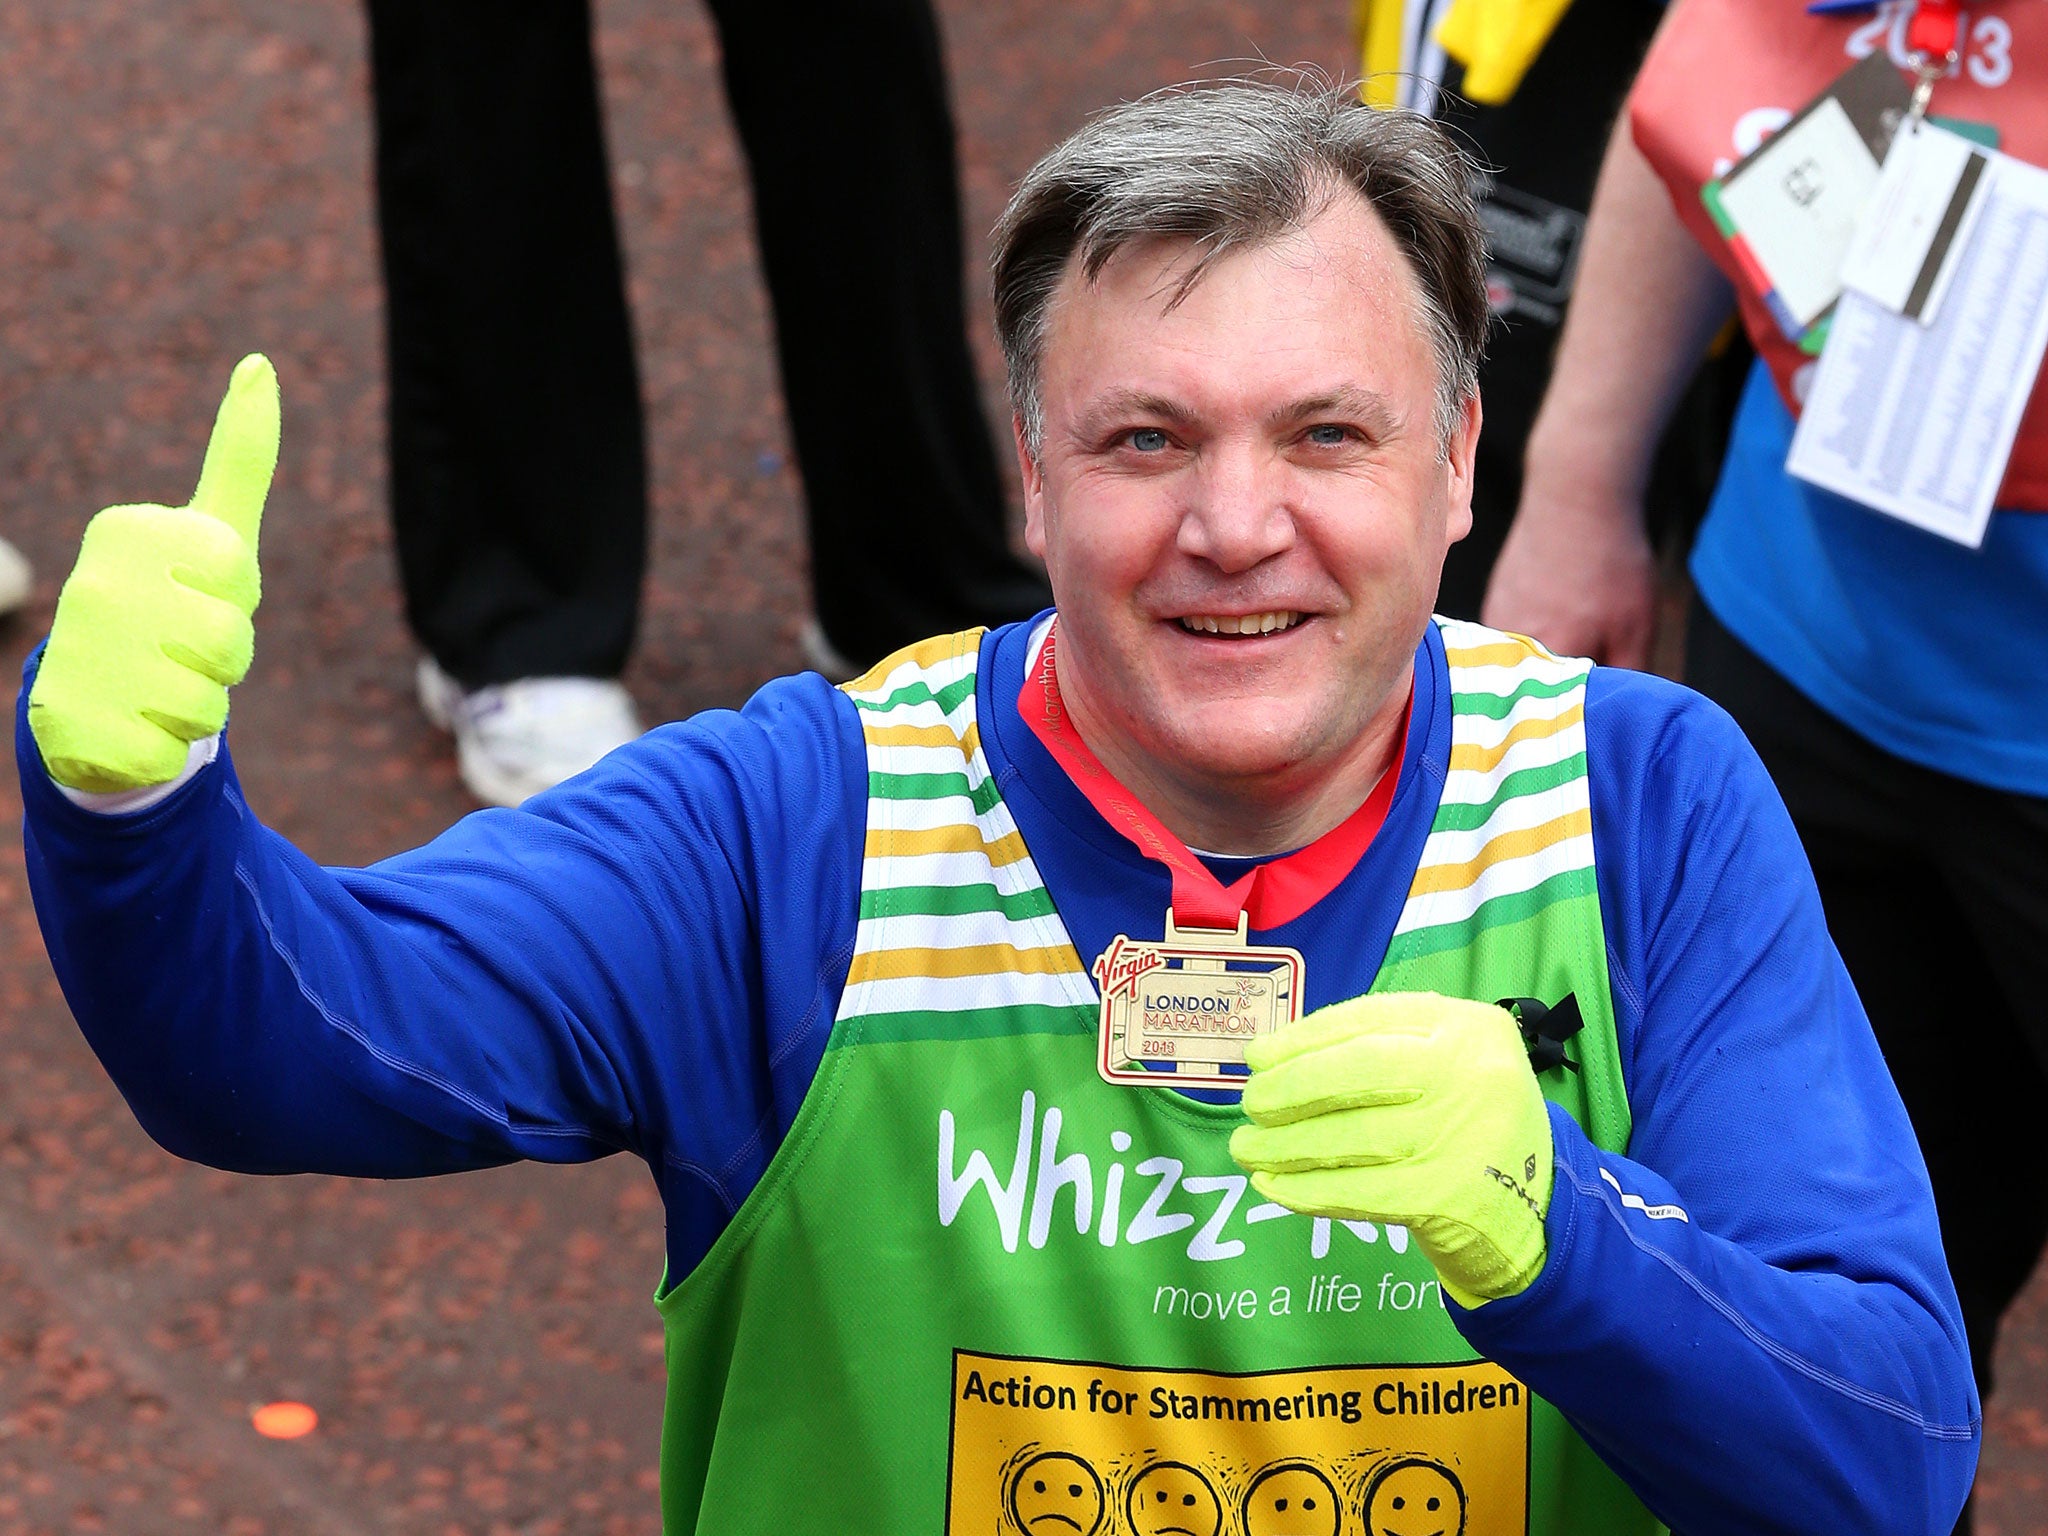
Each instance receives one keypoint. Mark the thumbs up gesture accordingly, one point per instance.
(154, 624)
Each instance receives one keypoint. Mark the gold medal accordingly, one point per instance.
(1177, 1010)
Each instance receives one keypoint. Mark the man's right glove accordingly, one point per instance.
(154, 625)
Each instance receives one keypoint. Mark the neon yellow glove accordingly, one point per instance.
(1411, 1108)
(154, 624)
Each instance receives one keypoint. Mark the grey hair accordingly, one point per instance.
(1228, 165)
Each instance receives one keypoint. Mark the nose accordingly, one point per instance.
(1238, 513)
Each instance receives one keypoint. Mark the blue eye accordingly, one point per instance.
(1328, 435)
(1148, 440)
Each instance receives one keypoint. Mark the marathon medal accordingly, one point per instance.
(1177, 1011)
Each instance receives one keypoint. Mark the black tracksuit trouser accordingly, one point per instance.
(518, 463)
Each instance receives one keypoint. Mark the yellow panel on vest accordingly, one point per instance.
(1044, 1446)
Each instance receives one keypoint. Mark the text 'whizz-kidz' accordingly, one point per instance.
(1209, 1207)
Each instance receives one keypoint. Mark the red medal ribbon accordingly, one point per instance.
(1276, 892)
(1932, 30)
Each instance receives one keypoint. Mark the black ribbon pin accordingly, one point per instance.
(1545, 1028)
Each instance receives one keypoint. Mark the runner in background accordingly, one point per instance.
(1892, 680)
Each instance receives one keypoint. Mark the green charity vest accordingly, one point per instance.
(980, 1290)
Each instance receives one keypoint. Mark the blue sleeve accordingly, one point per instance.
(648, 958)
(1749, 1314)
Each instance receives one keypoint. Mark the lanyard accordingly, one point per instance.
(1934, 44)
(1933, 29)
(1274, 893)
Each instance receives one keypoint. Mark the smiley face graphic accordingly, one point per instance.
(1291, 1498)
(1170, 1498)
(1415, 1497)
(1055, 1494)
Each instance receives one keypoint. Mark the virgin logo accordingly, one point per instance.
(1118, 968)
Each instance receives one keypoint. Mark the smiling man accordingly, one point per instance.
(1242, 474)
(1231, 1049)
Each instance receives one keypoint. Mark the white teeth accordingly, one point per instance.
(1248, 624)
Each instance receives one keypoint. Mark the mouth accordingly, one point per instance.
(1235, 625)
(1063, 1520)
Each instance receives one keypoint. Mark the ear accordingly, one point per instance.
(1033, 478)
(1460, 453)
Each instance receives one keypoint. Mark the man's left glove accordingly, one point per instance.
(1411, 1108)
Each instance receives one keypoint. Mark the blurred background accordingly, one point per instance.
(181, 183)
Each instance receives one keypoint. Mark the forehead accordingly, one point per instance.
(1336, 287)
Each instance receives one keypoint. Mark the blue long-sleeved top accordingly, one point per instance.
(651, 956)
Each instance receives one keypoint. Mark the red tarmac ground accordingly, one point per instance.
(184, 182)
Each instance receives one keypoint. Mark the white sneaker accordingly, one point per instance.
(513, 740)
(823, 655)
(16, 579)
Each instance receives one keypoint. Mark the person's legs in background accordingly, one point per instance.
(1936, 899)
(518, 478)
(843, 113)
(518, 462)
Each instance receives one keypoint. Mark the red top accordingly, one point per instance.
(1722, 74)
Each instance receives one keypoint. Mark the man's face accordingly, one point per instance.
(1243, 502)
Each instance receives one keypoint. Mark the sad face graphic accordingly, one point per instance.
(1170, 1498)
(1415, 1497)
(1291, 1498)
(1055, 1494)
